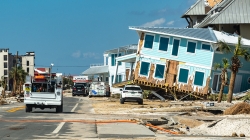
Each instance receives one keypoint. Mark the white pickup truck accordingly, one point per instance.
(44, 95)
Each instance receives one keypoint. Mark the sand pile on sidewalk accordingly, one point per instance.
(240, 108)
(225, 127)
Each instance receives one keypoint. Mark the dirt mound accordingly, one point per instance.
(240, 108)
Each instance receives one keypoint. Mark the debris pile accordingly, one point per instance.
(240, 108)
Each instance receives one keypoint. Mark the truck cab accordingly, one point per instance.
(43, 94)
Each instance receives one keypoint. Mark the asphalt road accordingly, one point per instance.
(78, 121)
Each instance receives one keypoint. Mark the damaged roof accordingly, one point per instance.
(202, 34)
(227, 12)
(199, 34)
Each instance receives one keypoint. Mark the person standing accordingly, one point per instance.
(107, 90)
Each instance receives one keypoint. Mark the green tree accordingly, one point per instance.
(237, 51)
(18, 75)
(223, 76)
(3, 83)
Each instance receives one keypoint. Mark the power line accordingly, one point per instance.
(54, 66)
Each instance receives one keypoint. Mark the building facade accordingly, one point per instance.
(28, 62)
(184, 58)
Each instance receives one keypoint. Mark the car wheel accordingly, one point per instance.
(140, 102)
(122, 101)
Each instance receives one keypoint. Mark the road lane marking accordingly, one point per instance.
(15, 109)
(74, 108)
(59, 127)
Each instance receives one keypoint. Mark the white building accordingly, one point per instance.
(28, 62)
(8, 61)
(106, 72)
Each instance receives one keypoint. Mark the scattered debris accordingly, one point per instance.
(240, 108)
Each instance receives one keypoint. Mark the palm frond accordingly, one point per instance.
(225, 63)
(223, 47)
(217, 66)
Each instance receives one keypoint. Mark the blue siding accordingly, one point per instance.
(200, 57)
(218, 57)
(192, 71)
(244, 84)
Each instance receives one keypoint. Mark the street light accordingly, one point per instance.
(51, 65)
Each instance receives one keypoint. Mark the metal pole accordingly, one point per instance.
(50, 74)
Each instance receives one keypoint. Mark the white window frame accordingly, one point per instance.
(148, 69)
(179, 74)
(206, 44)
(194, 48)
(173, 47)
(145, 39)
(203, 71)
(161, 36)
(163, 71)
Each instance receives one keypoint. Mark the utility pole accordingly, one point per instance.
(15, 75)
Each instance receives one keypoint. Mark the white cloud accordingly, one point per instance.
(170, 23)
(91, 55)
(157, 22)
(77, 54)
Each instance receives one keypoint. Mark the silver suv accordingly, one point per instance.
(131, 93)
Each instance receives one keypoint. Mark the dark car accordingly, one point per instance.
(79, 90)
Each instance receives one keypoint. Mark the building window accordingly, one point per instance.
(206, 47)
(148, 43)
(159, 71)
(27, 63)
(118, 78)
(144, 68)
(191, 47)
(183, 75)
(175, 47)
(5, 57)
(28, 70)
(5, 65)
(163, 44)
(113, 61)
(198, 79)
(107, 79)
(5, 72)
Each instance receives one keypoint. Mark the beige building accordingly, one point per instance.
(28, 62)
(8, 61)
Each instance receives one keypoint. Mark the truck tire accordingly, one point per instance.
(28, 108)
(121, 101)
(59, 109)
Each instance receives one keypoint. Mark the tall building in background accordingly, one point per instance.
(28, 62)
(9, 60)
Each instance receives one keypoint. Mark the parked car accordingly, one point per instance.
(131, 93)
(79, 89)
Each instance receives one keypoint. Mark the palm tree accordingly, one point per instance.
(224, 80)
(12, 74)
(237, 51)
(21, 76)
(18, 75)
(3, 83)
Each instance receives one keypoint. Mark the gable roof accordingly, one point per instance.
(197, 9)
(96, 70)
(201, 34)
(232, 12)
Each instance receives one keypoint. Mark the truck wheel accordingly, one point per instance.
(28, 108)
(121, 101)
(59, 109)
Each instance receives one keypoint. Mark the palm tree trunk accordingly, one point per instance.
(221, 92)
(231, 87)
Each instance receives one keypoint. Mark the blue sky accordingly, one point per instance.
(72, 33)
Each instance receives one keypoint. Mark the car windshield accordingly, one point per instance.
(80, 84)
(132, 88)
